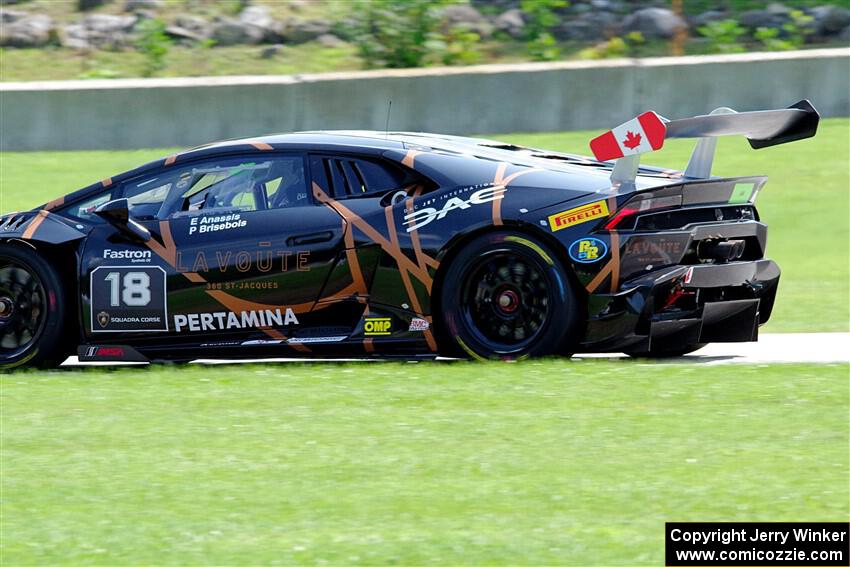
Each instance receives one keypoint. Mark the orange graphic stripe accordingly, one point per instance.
(194, 277)
(170, 159)
(106, 182)
(34, 224)
(402, 260)
(500, 179)
(261, 146)
(56, 203)
(410, 158)
(612, 268)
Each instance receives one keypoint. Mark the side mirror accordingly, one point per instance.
(117, 213)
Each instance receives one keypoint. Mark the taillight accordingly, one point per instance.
(643, 204)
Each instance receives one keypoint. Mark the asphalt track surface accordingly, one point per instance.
(817, 348)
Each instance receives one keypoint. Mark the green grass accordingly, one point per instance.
(556, 462)
(65, 64)
(805, 202)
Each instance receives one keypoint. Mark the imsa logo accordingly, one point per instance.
(377, 326)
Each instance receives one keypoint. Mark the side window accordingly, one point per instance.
(234, 184)
(354, 177)
(84, 210)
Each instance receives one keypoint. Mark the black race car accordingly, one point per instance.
(356, 243)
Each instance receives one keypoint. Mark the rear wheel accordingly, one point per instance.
(33, 310)
(506, 296)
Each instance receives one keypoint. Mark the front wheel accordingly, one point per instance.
(33, 310)
(506, 296)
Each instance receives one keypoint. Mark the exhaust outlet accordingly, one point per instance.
(721, 251)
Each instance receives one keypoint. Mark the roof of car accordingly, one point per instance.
(378, 142)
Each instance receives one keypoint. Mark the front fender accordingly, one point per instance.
(39, 226)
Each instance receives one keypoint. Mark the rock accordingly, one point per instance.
(84, 5)
(778, 9)
(590, 26)
(709, 16)
(99, 30)
(9, 16)
(107, 23)
(511, 22)
(260, 18)
(227, 31)
(606, 5)
(830, 20)
(271, 51)
(761, 19)
(329, 40)
(302, 31)
(464, 15)
(194, 24)
(183, 34)
(256, 16)
(29, 31)
(496, 5)
(654, 22)
(135, 5)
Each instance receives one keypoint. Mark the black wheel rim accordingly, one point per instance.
(506, 301)
(23, 309)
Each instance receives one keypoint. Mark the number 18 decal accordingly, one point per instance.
(128, 299)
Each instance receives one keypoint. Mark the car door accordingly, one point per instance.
(239, 248)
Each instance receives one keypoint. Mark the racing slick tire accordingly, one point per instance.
(506, 296)
(33, 311)
(670, 352)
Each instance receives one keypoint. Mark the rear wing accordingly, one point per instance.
(647, 132)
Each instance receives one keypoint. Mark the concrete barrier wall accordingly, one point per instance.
(491, 99)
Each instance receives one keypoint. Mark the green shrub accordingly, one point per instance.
(541, 17)
(410, 33)
(723, 36)
(154, 44)
(628, 46)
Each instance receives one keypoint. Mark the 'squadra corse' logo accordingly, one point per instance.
(422, 217)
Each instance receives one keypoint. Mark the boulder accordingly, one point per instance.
(107, 23)
(590, 26)
(99, 30)
(708, 17)
(182, 34)
(8, 16)
(329, 40)
(135, 5)
(302, 31)
(654, 23)
(256, 16)
(511, 22)
(606, 5)
(762, 19)
(194, 24)
(271, 51)
(29, 31)
(830, 20)
(227, 31)
(464, 15)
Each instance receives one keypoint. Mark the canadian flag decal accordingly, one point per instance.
(639, 135)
